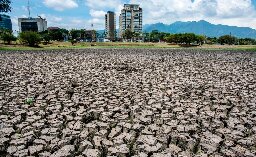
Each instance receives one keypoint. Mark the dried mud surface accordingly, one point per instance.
(127, 102)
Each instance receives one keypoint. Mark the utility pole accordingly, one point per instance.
(230, 40)
(28, 9)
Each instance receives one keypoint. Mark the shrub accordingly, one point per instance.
(73, 41)
(46, 39)
(30, 38)
(227, 39)
(8, 37)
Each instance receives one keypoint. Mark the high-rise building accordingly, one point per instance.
(5, 22)
(130, 18)
(32, 24)
(110, 25)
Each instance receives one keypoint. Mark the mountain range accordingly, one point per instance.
(202, 27)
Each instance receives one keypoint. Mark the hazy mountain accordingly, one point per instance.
(202, 27)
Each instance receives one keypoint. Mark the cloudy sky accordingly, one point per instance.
(82, 13)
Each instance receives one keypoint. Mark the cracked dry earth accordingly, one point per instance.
(128, 102)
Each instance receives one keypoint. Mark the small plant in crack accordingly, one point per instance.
(29, 101)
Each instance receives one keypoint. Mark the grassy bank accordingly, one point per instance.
(84, 45)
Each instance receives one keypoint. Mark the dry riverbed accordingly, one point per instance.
(127, 102)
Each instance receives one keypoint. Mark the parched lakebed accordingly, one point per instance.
(128, 102)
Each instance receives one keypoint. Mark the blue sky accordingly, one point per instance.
(82, 13)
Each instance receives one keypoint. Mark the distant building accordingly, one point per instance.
(32, 24)
(110, 25)
(52, 28)
(90, 35)
(130, 18)
(5, 22)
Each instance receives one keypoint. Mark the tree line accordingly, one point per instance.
(186, 38)
(34, 38)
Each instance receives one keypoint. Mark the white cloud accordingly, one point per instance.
(231, 12)
(52, 20)
(234, 8)
(56, 19)
(61, 5)
(97, 13)
(43, 16)
(97, 23)
(228, 12)
(77, 21)
(98, 9)
(103, 4)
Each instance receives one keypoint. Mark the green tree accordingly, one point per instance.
(188, 38)
(246, 41)
(30, 38)
(46, 38)
(211, 40)
(227, 39)
(200, 39)
(173, 38)
(185, 38)
(58, 34)
(128, 34)
(136, 36)
(162, 36)
(82, 34)
(75, 34)
(5, 6)
(8, 37)
(146, 37)
(154, 36)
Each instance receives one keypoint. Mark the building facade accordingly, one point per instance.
(110, 25)
(5, 22)
(90, 35)
(130, 18)
(32, 24)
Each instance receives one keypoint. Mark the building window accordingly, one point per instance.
(29, 26)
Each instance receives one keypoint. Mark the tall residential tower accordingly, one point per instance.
(110, 25)
(130, 18)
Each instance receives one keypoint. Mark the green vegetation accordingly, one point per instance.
(45, 38)
(246, 41)
(29, 101)
(231, 40)
(128, 34)
(82, 34)
(30, 38)
(211, 40)
(75, 34)
(155, 36)
(84, 45)
(7, 36)
(186, 38)
(53, 39)
(58, 34)
(227, 39)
